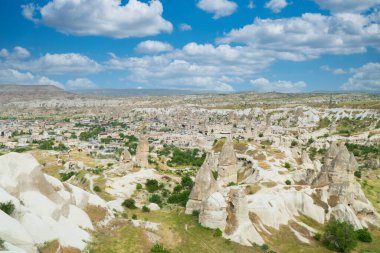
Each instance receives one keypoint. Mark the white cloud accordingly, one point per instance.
(153, 46)
(276, 5)
(356, 6)
(185, 27)
(338, 71)
(195, 66)
(309, 36)
(365, 78)
(264, 85)
(80, 83)
(220, 8)
(251, 5)
(101, 17)
(49, 63)
(16, 53)
(12, 76)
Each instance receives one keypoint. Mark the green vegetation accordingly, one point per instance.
(340, 236)
(2, 244)
(67, 176)
(358, 174)
(152, 185)
(363, 153)
(363, 235)
(186, 157)
(348, 126)
(139, 186)
(323, 123)
(91, 134)
(155, 198)
(129, 203)
(7, 207)
(159, 248)
(145, 209)
(287, 165)
(288, 182)
(131, 143)
(97, 188)
(218, 233)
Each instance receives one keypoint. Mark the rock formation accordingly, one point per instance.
(125, 156)
(343, 194)
(205, 185)
(45, 208)
(227, 166)
(142, 153)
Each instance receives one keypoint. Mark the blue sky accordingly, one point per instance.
(227, 45)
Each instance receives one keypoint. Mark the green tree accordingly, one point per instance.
(340, 236)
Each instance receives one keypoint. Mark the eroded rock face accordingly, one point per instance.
(227, 167)
(344, 195)
(205, 184)
(142, 153)
(46, 209)
(213, 212)
(126, 156)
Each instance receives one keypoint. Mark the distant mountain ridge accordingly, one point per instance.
(14, 93)
(142, 92)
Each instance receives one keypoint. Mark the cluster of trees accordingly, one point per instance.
(186, 157)
(91, 134)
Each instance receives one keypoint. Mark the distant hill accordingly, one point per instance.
(141, 92)
(15, 93)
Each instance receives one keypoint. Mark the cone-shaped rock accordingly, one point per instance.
(227, 167)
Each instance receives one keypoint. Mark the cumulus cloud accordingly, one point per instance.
(80, 83)
(16, 53)
(101, 17)
(12, 76)
(264, 85)
(220, 8)
(276, 5)
(365, 78)
(195, 66)
(309, 36)
(356, 6)
(153, 46)
(48, 63)
(337, 71)
(185, 27)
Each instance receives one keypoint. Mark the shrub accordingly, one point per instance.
(139, 186)
(187, 182)
(358, 174)
(340, 236)
(215, 174)
(159, 248)
(231, 184)
(218, 233)
(363, 235)
(294, 143)
(287, 165)
(195, 213)
(288, 182)
(2, 244)
(66, 176)
(145, 209)
(317, 236)
(7, 207)
(179, 198)
(151, 185)
(134, 217)
(264, 247)
(261, 135)
(129, 203)
(155, 199)
(97, 188)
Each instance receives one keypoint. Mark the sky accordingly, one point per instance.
(218, 45)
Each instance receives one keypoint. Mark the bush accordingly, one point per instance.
(145, 209)
(363, 235)
(139, 186)
(159, 248)
(187, 182)
(231, 184)
(358, 174)
(134, 217)
(218, 233)
(264, 247)
(97, 188)
(288, 182)
(287, 165)
(317, 236)
(2, 244)
(151, 185)
(7, 207)
(195, 213)
(340, 236)
(155, 199)
(179, 198)
(129, 203)
(261, 135)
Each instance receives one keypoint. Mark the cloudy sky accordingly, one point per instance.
(226, 45)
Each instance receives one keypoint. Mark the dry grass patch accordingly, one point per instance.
(49, 247)
(96, 213)
(252, 189)
(270, 184)
(264, 165)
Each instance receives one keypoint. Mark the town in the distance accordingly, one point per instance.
(232, 172)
